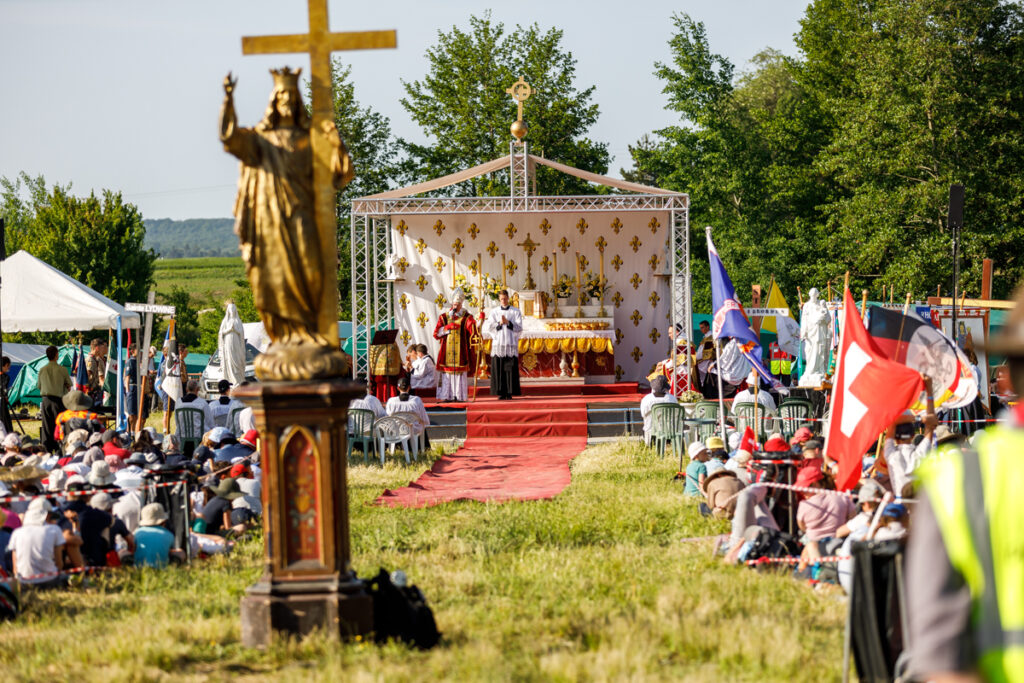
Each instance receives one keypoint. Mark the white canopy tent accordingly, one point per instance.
(36, 297)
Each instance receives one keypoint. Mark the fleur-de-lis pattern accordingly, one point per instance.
(423, 257)
(637, 354)
(619, 373)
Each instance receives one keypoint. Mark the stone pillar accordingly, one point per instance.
(307, 581)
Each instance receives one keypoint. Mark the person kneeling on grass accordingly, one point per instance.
(216, 517)
(36, 547)
(154, 545)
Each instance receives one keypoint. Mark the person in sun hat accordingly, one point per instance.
(77, 414)
(217, 510)
(154, 544)
(721, 488)
(100, 529)
(696, 471)
(100, 475)
(36, 547)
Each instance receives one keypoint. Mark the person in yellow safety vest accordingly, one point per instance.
(965, 559)
(781, 362)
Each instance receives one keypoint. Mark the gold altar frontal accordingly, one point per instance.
(564, 347)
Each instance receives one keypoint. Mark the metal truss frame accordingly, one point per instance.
(373, 293)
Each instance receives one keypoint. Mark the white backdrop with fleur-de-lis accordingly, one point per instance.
(635, 248)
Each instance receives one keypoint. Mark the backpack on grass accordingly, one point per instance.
(401, 612)
(773, 543)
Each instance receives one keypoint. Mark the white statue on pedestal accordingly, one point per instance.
(816, 335)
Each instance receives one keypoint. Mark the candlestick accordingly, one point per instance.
(602, 313)
(554, 290)
(579, 288)
(453, 271)
(504, 279)
(480, 277)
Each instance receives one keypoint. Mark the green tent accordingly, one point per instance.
(25, 388)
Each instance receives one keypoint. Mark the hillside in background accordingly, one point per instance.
(192, 237)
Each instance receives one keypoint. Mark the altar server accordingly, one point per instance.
(504, 324)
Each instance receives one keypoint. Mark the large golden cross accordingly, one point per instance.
(320, 43)
(529, 246)
(520, 92)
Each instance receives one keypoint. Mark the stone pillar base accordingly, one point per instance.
(268, 612)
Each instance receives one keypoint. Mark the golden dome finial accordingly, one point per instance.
(520, 92)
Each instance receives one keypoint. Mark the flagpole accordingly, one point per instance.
(721, 400)
(835, 385)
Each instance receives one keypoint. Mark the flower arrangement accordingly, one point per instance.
(462, 282)
(594, 286)
(491, 287)
(564, 287)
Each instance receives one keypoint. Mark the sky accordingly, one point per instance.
(125, 94)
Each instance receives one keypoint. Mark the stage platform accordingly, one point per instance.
(546, 408)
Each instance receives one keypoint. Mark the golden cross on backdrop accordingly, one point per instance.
(320, 43)
(529, 246)
(520, 92)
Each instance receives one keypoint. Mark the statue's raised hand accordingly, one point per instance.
(229, 84)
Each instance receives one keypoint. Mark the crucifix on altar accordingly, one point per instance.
(530, 300)
(300, 407)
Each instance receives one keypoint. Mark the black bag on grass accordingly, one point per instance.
(772, 543)
(401, 612)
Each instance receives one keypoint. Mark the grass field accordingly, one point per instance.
(593, 585)
(206, 279)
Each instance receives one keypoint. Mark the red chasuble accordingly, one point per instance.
(456, 354)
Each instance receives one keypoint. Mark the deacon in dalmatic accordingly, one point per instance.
(504, 324)
(455, 329)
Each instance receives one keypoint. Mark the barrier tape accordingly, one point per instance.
(796, 560)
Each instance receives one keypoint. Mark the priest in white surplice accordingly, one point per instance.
(504, 325)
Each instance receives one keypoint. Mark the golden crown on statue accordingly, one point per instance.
(286, 78)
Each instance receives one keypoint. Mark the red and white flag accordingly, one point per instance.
(868, 392)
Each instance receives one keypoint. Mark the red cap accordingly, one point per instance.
(809, 475)
(237, 470)
(250, 437)
(776, 444)
(803, 434)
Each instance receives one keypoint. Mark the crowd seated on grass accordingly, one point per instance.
(780, 495)
(92, 503)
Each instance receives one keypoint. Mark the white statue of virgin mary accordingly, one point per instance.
(231, 345)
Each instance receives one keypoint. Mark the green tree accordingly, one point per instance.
(186, 316)
(99, 242)
(462, 106)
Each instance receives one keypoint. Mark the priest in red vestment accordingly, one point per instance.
(457, 358)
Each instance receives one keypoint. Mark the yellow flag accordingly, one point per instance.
(775, 300)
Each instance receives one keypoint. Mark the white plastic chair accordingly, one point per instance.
(390, 431)
(418, 430)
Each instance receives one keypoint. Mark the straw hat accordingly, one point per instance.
(77, 400)
(21, 473)
(1010, 339)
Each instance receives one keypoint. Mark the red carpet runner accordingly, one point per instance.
(515, 450)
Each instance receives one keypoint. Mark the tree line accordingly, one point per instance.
(839, 158)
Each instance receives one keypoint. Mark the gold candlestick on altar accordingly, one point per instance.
(579, 288)
(504, 270)
(453, 271)
(601, 244)
(554, 290)
(480, 277)
(529, 246)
